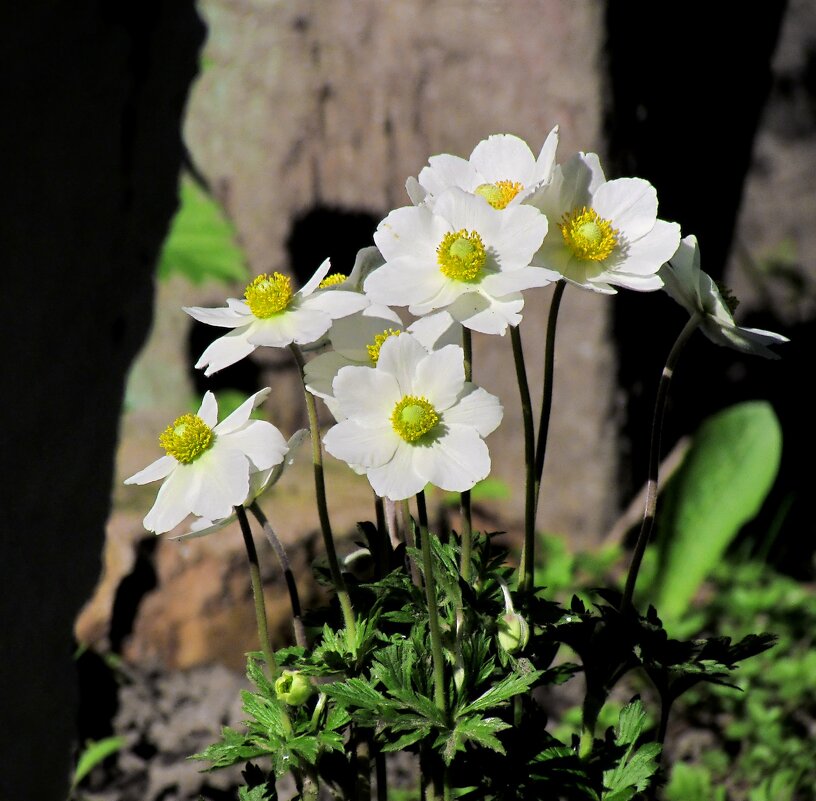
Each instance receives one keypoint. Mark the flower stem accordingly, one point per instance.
(322, 507)
(433, 609)
(257, 591)
(527, 564)
(547, 388)
(465, 515)
(654, 460)
(289, 576)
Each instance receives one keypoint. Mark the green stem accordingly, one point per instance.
(465, 513)
(433, 609)
(547, 387)
(382, 775)
(410, 540)
(383, 558)
(288, 575)
(654, 460)
(527, 564)
(322, 506)
(257, 592)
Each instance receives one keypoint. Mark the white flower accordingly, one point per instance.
(502, 169)
(272, 315)
(609, 234)
(463, 256)
(697, 293)
(207, 467)
(259, 483)
(413, 420)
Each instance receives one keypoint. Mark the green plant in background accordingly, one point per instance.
(201, 245)
(721, 485)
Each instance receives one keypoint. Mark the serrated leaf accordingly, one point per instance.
(631, 722)
(234, 747)
(201, 243)
(502, 691)
(722, 483)
(355, 692)
(633, 775)
(305, 745)
(407, 739)
(482, 731)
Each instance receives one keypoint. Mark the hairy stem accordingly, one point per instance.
(465, 514)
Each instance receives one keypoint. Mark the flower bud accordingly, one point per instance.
(293, 688)
(513, 632)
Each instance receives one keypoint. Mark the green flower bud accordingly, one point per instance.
(513, 632)
(293, 688)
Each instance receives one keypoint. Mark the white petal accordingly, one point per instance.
(240, 416)
(472, 212)
(222, 481)
(261, 442)
(445, 171)
(351, 335)
(397, 479)
(320, 273)
(488, 316)
(173, 501)
(440, 376)
(161, 468)
(499, 284)
(746, 340)
(225, 351)
(504, 157)
(436, 330)
(321, 371)
(415, 191)
(368, 396)
(545, 162)
(639, 283)
(208, 411)
(228, 317)
(405, 281)
(455, 461)
(476, 408)
(630, 204)
(296, 325)
(647, 255)
(336, 302)
(359, 445)
(410, 230)
(399, 357)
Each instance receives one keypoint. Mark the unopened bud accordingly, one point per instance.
(293, 688)
(513, 632)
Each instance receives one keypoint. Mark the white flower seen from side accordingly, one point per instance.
(272, 315)
(208, 465)
(605, 233)
(502, 169)
(698, 294)
(413, 420)
(463, 256)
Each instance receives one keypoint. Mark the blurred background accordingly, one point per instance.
(161, 154)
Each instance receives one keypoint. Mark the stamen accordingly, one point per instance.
(374, 348)
(588, 235)
(269, 295)
(461, 255)
(499, 194)
(332, 280)
(187, 438)
(413, 417)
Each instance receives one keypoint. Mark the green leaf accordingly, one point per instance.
(355, 692)
(720, 486)
(234, 747)
(95, 752)
(636, 767)
(201, 243)
(508, 687)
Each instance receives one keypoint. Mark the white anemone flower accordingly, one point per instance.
(502, 169)
(413, 420)
(609, 234)
(272, 315)
(462, 255)
(697, 293)
(208, 464)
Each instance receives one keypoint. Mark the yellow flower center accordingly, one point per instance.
(374, 348)
(187, 438)
(332, 280)
(413, 417)
(588, 235)
(268, 295)
(461, 255)
(499, 194)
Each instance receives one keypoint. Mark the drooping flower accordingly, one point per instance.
(698, 294)
(608, 231)
(502, 169)
(272, 315)
(207, 466)
(463, 256)
(413, 420)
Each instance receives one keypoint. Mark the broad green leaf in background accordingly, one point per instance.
(721, 485)
(201, 244)
(94, 754)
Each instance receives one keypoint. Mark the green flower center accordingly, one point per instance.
(374, 348)
(499, 194)
(187, 438)
(461, 255)
(268, 295)
(588, 235)
(413, 417)
(332, 280)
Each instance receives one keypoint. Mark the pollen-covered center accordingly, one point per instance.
(374, 347)
(461, 255)
(268, 295)
(499, 194)
(413, 417)
(332, 280)
(187, 438)
(588, 235)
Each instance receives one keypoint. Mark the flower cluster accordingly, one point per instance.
(478, 234)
